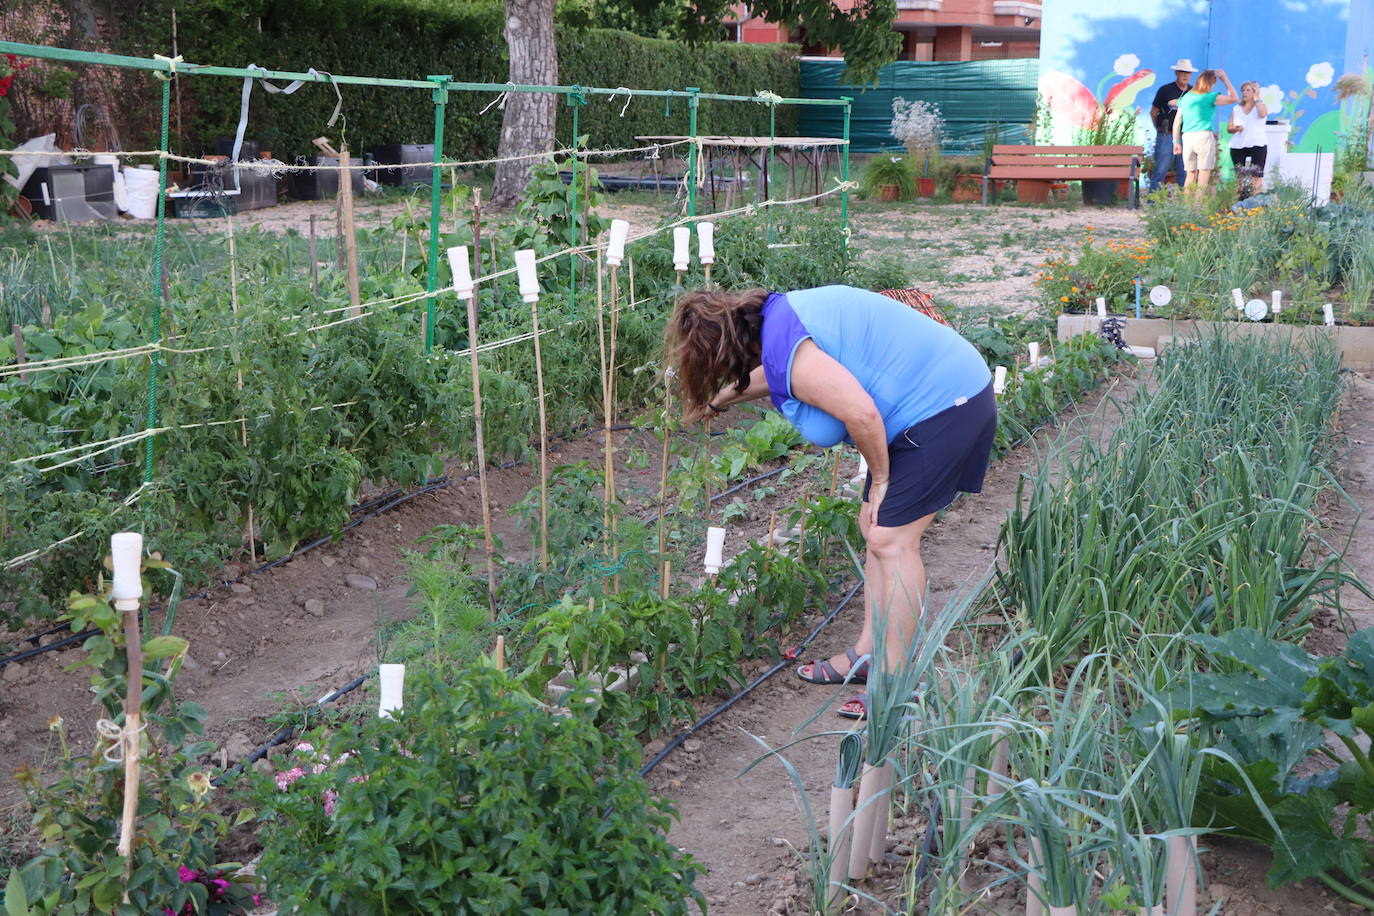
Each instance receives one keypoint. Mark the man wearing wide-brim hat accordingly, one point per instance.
(1162, 113)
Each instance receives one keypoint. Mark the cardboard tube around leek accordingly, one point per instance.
(878, 845)
(865, 813)
(1034, 886)
(1180, 896)
(841, 807)
(997, 779)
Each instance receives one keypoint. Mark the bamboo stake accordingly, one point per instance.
(350, 239)
(126, 548)
(607, 469)
(666, 580)
(529, 290)
(488, 541)
(314, 260)
(772, 531)
(801, 527)
(500, 653)
(663, 471)
(19, 358)
(610, 406)
(835, 472)
(238, 371)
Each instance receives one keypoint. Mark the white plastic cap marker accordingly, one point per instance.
(999, 380)
(1278, 301)
(706, 242)
(615, 244)
(392, 679)
(126, 555)
(461, 268)
(1034, 355)
(1101, 307)
(1239, 298)
(529, 280)
(715, 546)
(682, 237)
(1328, 315)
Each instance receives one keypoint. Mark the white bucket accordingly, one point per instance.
(140, 191)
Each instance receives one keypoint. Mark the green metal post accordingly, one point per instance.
(844, 171)
(159, 244)
(435, 195)
(692, 152)
(772, 164)
(575, 101)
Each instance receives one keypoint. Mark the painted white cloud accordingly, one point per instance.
(1272, 97)
(1072, 23)
(1319, 75)
(1126, 64)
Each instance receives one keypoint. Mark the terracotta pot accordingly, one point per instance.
(889, 192)
(968, 188)
(925, 187)
(1032, 191)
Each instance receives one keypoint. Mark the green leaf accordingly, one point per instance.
(165, 647)
(16, 895)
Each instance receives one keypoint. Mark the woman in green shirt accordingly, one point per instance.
(1194, 138)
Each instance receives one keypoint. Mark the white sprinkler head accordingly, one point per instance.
(682, 256)
(1161, 295)
(126, 554)
(529, 280)
(706, 242)
(461, 268)
(715, 545)
(615, 244)
(392, 679)
(999, 380)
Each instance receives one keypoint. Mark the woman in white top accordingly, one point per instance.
(1248, 137)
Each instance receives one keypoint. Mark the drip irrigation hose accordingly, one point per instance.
(785, 662)
(285, 734)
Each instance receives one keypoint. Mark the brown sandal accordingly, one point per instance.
(824, 673)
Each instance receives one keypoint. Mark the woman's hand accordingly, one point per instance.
(877, 491)
(1178, 148)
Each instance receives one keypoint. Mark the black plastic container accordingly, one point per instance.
(419, 156)
(75, 193)
(320, 184)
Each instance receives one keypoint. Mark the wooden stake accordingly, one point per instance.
(835, 473)
(19, 358)
(132, 735)
(663, 470)
(500, 653)
(610, 406)
(350, 237)
(314, 260)
(607, 468)
(708, 274)
(801, 527)
(487, 538)
(772, 529)
(238, 370)
(543, 442)
(665, 580)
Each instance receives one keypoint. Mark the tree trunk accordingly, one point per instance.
(528, 125)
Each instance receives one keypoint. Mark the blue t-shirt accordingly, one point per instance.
(912, 366)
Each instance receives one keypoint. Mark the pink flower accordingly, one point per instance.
(290, 776)
(187, 875)
(257, 900)
(219, 887)
(331, 799)
(304, 748)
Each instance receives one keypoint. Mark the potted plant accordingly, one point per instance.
(919, 126)
(888, 178)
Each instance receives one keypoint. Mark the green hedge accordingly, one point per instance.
(415, 38)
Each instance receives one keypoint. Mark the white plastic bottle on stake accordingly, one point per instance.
(615, 244)
(126, 553)
(461, 267)
(706, 242)
(682, 257)
(1101, 307)
(1328, 315)
(1034, 355)
(524, 269)
(1239, 298)
(999, 380)
(1278, 301)
(392, 679)
(715, 546)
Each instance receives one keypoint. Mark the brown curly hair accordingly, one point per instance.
(714, 338)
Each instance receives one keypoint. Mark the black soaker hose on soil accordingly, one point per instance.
(702, 722)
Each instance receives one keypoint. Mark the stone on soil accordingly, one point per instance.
(358, 580)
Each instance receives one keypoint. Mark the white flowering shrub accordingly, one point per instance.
(917, 124)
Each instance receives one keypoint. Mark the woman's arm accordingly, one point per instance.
(1263, 110)
(1231, 126)
(1231, 96)
(820, 380)
(1178, 132)
(757, 388)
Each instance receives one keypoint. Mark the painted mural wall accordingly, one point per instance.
(1111, 57)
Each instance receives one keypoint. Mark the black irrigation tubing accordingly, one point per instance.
(785, 662)
(285, 734)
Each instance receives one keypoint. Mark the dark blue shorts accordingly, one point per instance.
(938, 458)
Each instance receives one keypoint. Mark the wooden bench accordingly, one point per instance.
(1035, 168)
